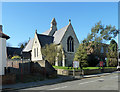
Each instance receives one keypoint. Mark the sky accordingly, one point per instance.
(21, 19)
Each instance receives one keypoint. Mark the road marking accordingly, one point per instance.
(90, 81)
(58, 88)
(114, 77)
(87, 82)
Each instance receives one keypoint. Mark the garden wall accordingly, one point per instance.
(7, 79)
(86, 71)
(17, 66)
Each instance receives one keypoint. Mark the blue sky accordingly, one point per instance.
(20, 20)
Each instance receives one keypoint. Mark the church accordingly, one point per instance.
(64, 37)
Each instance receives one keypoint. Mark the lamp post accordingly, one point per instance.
(118, 32)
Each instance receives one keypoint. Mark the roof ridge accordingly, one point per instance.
(44, 35)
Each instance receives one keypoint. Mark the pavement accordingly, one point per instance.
(49, 81)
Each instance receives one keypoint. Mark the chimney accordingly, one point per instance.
(0, 27)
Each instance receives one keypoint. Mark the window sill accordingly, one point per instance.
(70, 52)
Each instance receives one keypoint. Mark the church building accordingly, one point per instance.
(64, 37)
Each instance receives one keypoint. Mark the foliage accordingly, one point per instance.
(99, 34)
(66, 68)
(81, 55)
(60, 53)
(16, 57)
(112, 54)
(50, 52)
(22, 45)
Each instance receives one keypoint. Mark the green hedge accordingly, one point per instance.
(70, 68)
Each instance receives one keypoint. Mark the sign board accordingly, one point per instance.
(75, 64)
(101, 63)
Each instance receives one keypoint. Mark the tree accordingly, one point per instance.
(99, 34)
(50, 52)
(22, 45)
(81, 55)
(112, 54)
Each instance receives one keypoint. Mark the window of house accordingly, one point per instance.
(37, 52)
(34, 52)
(70, 44)
(102, 49)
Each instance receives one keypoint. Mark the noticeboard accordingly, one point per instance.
(75, 64)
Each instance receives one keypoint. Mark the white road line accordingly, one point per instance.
(58, 88)
(90, 81)
(114, 77)
(86, 82)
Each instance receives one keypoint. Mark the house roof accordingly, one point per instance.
(11, 51)
(46, 32)
(45, 39)
(59, 34)
(2, 35)
(28, 47)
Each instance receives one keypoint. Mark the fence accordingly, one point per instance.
(18, 66)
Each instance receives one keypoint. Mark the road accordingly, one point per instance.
(109, 82)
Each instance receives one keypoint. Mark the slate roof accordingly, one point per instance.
(45, 39)
(59, 34)
(11, 51)
(28, 47)
(46, 32)
(3, 35)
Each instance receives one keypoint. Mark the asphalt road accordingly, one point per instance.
(109, 82)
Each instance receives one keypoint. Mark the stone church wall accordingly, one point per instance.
(69, 59)
(69, 55)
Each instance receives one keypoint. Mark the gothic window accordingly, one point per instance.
(37, 52)
(34, 52)
(70, 44)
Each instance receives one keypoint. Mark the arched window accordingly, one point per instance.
(70, 44)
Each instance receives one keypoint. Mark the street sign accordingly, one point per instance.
(75, 64)
(101, 63)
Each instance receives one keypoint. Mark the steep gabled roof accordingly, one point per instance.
(28, 47)
(59, 34)
(46, 32)
(45, 39)
(11, 51)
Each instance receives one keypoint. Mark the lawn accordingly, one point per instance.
(70, 68)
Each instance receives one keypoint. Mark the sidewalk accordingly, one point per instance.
(49, 81)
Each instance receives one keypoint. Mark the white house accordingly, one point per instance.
(3, 55)
(64, 36)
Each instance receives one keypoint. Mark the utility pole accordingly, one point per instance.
(118, 47)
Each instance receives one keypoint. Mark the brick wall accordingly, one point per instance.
(8, 79)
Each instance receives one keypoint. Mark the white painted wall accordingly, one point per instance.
(36, 45)
(3, 55)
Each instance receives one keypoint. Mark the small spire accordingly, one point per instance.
(53, 20)
(36, 31)
(69, 21)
